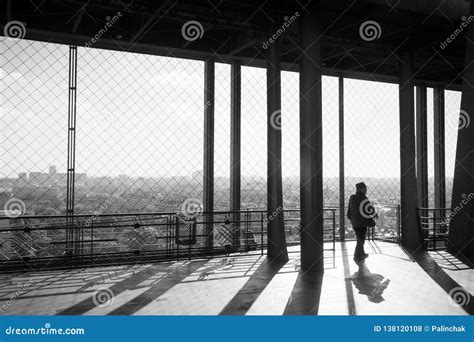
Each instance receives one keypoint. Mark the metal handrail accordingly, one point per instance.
(27, 245)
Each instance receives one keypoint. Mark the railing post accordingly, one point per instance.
(71, 232)
(398, 224)
(208, 167)
(342, 209)
(261, 233)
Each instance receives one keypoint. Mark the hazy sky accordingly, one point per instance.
(142, 115)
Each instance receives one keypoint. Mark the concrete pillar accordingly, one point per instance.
(461, 229)
(411, 236)
(275, 221)
(311, 143)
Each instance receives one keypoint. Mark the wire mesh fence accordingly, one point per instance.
(139, 134)
(452, 105)
(222, 137)
(139, 131)
(33, 123)
(253, 143)
(372, 145)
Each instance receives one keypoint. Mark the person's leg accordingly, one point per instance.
(360, 233)
(363, 233)
(358, 248)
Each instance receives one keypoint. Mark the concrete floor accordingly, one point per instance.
(389, 283)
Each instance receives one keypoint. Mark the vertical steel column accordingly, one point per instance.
(421, 146)
(311, 144)
(342, 208)
(275, 222)
(71, 234)
(208, 168)
(235, 143)
(411, 237)
(461, 228)
(439, 148)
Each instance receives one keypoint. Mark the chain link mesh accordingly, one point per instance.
(452, 105)
(139, 131)
(372, 146)
(139, 140)
(33, 124)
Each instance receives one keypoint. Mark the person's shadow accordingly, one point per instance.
(370, 284)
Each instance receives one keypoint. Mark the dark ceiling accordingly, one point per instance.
(238, 29)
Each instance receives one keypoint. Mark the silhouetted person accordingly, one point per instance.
(361, 213)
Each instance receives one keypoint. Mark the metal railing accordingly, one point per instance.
(40, 242)
(434, 225)
(387, 226)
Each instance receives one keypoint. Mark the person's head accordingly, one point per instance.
(361, 188)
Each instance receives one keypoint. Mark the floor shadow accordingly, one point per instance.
(457, 293)
(347, 275)
(306, 294)
(176, 276)
(131, 282)
(248, 294)
(370, 284)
